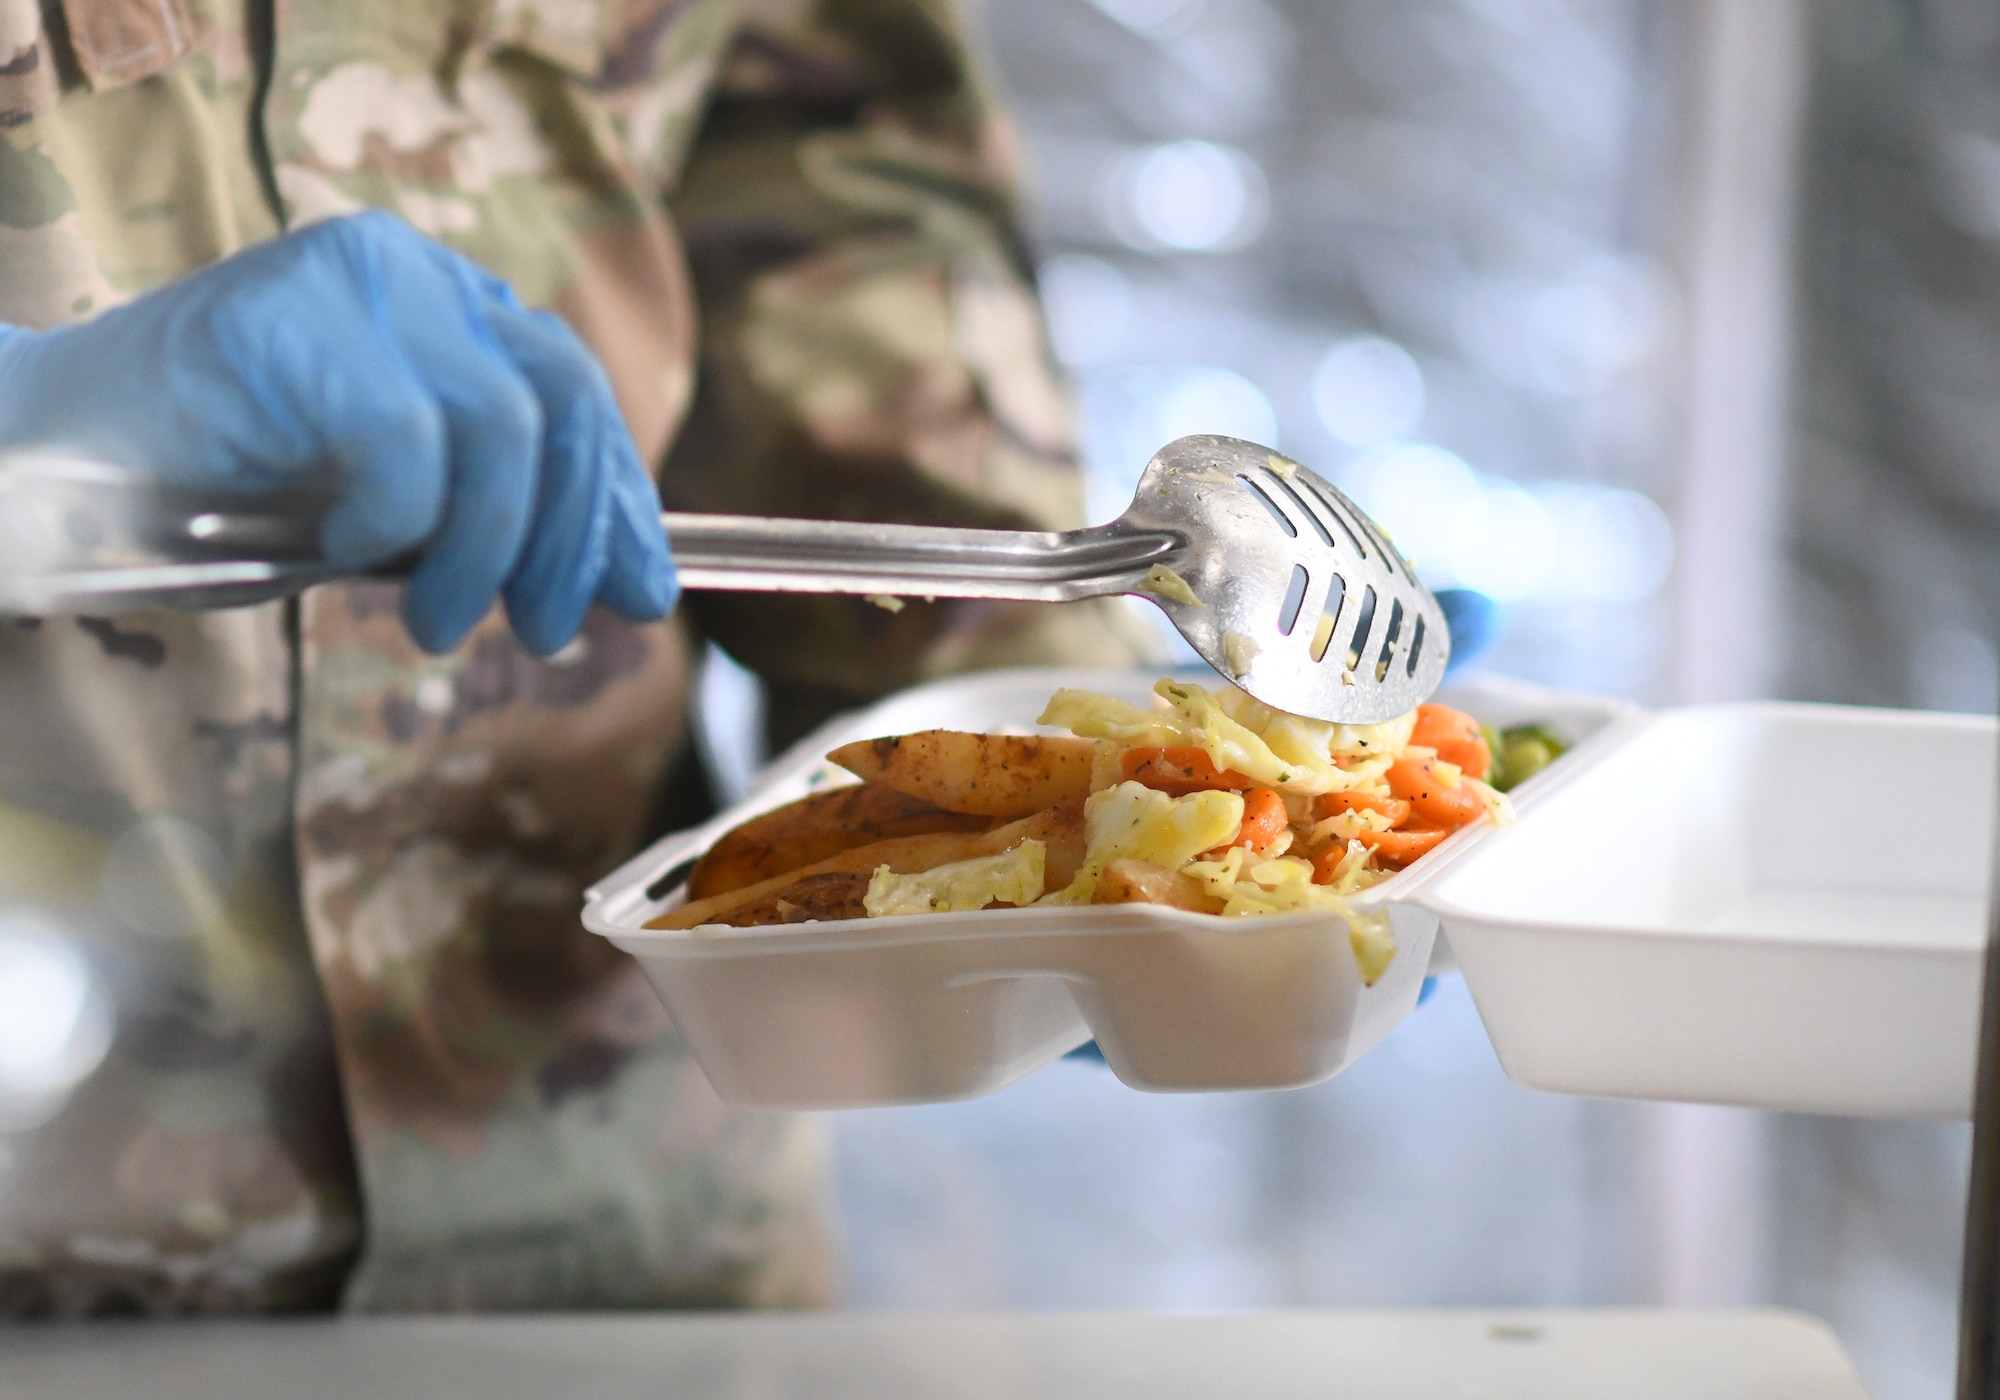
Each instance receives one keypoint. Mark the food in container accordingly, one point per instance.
(925, 1007)
(1206, 801)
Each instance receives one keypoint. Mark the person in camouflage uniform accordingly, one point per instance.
(357, 1046)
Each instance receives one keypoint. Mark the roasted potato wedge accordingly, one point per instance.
(1143, 882)
(833, 888)
(813, 828)
(836, 894)
(989, 775)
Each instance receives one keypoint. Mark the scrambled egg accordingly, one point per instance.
(1287, 752)
(1012, 877)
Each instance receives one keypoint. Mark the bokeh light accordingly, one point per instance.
(1570, 335)
(1503, 544)
(1518, 542)
(1194, 196)
(1612, 546)
(1151, 17)
(55, 1020)
(1212, 400)
(1416, 492)
(1089, 307)
(1368, 391)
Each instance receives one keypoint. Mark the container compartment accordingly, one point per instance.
(787, 1022)
(816, 1017)
(938, 1007)
(1242, 1004)
(1772, 905)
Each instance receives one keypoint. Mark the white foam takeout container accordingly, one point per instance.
(1704, 904)
(932, 1007)
(1776, 905)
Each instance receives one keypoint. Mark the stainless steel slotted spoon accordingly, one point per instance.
(1275, 578)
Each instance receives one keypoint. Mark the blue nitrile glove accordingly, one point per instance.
(1476, 622)
(360, 357)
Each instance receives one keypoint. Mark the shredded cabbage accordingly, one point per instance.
(1012, 877)
(1238, 733)
(1133, 820)
(1300, 758)
(1253, 885)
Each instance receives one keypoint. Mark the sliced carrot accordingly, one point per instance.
(1179, 770)
(1264, 820)
(1455, 736)
(1332, 804)
(1399, 848)
(1417, 782)
(1394, 849)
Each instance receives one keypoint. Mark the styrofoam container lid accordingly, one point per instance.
(944, 1006)
(1782, 906)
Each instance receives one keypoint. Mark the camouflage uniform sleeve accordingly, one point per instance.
(173, 1140)
(529, 1130)
(872, 347)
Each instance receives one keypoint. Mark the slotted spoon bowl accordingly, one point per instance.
(1275, 578)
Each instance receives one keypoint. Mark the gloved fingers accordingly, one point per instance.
(481, 547)
(639, 581)
(638, 576)
(494, 428)
(568, 545)
(273, 373)
(358, 411)
(388, 445)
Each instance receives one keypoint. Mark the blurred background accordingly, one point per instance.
(1675, 327)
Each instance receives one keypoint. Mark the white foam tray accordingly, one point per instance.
(934, 1007)
(1773, 905)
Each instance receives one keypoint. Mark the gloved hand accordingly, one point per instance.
(1476, 624)
(362, 358)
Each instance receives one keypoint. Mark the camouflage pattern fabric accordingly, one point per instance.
(350, 1040)
(872, 348)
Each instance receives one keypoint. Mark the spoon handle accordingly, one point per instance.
(769, 555)
(235, 556)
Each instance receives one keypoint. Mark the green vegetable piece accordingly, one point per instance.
(1493, 747)
(1557, 745)
(1494, 771)
(1523, 751)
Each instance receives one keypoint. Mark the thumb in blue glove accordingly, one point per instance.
(361, 358)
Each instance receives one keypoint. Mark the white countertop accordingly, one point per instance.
(1350, 1354)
